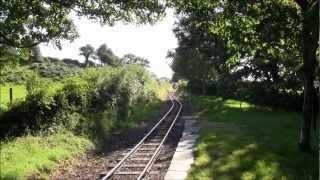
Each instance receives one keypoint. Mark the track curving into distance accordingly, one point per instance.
(137, 163)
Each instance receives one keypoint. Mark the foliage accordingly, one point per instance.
(55, 70)
(264, 45)
(94, 104)
(14, 73)
(11, 55)
(248, 143)
(72, 62)
(133, 59)
(106, 56)
(18, 72)
(111, 93)
(88, 52)
(181, 87)
(220, 52)
(25, 24)
(261, 93)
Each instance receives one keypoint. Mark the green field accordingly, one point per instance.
(249, 143)
(19, 94)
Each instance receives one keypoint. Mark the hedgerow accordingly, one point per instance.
(93, 103)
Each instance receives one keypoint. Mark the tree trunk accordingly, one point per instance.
(305, 132)
(203, 87)
(315, 108)
(310, 36)
(86, 63)
(36, 53)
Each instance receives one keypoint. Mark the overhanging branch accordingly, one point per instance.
(7, 41)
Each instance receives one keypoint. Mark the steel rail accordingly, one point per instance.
(156, 153)
(118, 165)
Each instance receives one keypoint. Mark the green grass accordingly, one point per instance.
(249, 143)
(19, 94)
(142, 113)
(30, 155)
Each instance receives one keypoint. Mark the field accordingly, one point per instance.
(19, 93)
(249, 143)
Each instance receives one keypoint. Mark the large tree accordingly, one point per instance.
(270, 30)
(106, 56)
(28, 23)
(133, 59)
(310, 38)
(88, 52)
(200, 55)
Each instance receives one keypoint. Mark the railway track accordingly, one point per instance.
(139, 162)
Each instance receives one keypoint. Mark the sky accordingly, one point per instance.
(148, 41)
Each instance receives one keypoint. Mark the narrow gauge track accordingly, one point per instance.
(137, 163)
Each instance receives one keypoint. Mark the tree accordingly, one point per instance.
(310, 38)
(200, 56)
(133, 59)
(28, 23)
(106, 56)
(36, 53)
(257, 29)
(88, 52)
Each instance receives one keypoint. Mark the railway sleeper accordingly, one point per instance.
(138, 159)
(135, 173)
(135, 165)
(150, 144)
(146, 149)
(141, 154)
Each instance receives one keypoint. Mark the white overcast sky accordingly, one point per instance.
(149, 41)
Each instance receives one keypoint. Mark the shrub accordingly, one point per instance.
(15, 74)
(94, 103)
(263, 94)
(55, 69)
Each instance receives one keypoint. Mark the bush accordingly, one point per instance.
(55, 69)
(95, 102)
(263, 94)
(15, 74)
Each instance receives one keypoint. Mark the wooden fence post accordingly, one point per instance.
(0, 96)
(10, 95)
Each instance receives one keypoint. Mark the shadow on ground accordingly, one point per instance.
(249, 143)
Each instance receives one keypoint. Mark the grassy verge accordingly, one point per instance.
(249, 143)
(30, 155)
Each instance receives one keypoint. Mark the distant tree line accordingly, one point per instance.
(105, 56)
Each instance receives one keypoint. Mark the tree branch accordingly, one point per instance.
(7, 41)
